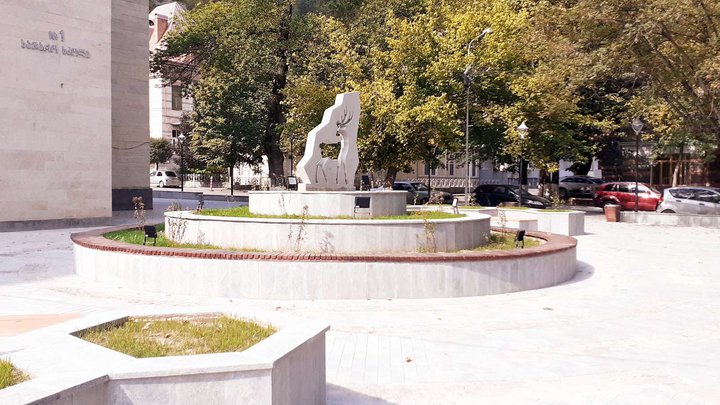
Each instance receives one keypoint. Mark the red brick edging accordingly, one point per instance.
(94, 239)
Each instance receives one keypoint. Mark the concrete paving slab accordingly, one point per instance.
(639, 324)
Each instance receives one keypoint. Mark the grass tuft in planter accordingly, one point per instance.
(9, 375)
(158, 337)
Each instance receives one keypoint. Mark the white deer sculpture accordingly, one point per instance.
(339, 125)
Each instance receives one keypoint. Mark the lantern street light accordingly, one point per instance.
(467, 81)
(181, 138)
(523, 131)
(637, 126)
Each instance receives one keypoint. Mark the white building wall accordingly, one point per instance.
(55, 110)
(156, 108)
(130, 65)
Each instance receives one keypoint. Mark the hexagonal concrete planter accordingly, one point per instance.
(286, 368)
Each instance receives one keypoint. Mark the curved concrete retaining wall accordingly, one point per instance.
(327, 235)
(324, 276)
(286, 368)
(327, 203)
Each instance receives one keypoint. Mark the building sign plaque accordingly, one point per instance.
(56, 45)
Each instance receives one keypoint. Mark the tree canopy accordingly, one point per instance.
(262, 72)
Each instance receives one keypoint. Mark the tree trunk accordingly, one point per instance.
(390, 176)
(544, 190)
(232, 181)
(271, 143)
(678, 164)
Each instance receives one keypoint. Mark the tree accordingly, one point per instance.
(230, 55)
(160, 151)
(402, 112)
(670, 47)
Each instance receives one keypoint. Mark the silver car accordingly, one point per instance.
(578, 186)
(164, 178)
(690, 200)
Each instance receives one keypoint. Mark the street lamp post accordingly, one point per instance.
(181, 138)
(522, 130)
(637, 126)
(292, 168)
(466, 78)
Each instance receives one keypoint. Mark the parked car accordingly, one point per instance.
(623, 194)
(164, 178)
(418, 193)
(578, 186)
(690, 200)
(490, 195)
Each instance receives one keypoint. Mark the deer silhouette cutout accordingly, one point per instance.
(339, 125)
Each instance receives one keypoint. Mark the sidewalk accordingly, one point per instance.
(638, 324)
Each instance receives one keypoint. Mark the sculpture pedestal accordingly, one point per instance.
(324, 187)
(328, 203)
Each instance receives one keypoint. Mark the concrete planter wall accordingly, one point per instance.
(568, 223)
(327, 203)
(655, 218)
(328, 236)
(562, 223)
(324, 276)
(286, 368)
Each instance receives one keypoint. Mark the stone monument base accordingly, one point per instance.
(352, 204)
(324, 187)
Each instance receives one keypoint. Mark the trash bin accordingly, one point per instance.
(612, 213)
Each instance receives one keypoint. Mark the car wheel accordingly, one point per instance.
(161, 184)
(423, 201)
(668, 211)
(563, 193)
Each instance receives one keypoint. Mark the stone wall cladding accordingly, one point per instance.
(56, 110)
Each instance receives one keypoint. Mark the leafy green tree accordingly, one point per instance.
(378, 54)
(669, 47)
(231, 56)
(160, 151)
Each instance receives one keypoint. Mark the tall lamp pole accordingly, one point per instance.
(292, 166)
(522, 130)
(467, 81)
(181, 138)
(637, 126)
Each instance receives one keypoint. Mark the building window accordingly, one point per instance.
(451, 168)
(176, 98)
(473, 165)
(429, 172)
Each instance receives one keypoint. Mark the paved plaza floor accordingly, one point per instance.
(639, 324)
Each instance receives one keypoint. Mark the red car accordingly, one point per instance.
(623, 194)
